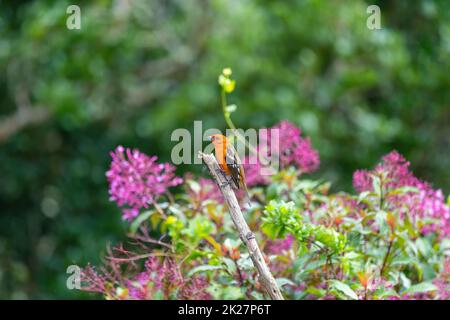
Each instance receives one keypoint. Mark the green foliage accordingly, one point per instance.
(283, 218)
(333, 246)
(342, 290)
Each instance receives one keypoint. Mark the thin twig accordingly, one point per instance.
(158, 208)
(140, 257)
(149, 240)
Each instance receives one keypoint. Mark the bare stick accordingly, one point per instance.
(247, 237)
(23, 117)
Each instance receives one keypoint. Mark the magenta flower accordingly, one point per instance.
(159, 279)
(291, 148)
(138, 288)
(130, 213)
(94, 281)
(426, 203)
(442, 282)
(398, 174)
(362, 180)
(278, 246)
(166, 278)
(253, 176)
(195, 289)
(135, 180)
(295, 150)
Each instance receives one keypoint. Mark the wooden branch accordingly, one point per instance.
(247, 237)
(23, 117)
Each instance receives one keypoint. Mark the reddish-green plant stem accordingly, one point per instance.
(159, 209)
(381, 193)
(383, 266)
(241, 280)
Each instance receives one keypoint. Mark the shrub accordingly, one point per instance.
(389, 240)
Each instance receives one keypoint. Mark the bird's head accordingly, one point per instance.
(217, 139)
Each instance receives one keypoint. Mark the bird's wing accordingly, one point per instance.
(234, 165)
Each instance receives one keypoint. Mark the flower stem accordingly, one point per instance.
(230, 124)
(159, 209)
(383, 266)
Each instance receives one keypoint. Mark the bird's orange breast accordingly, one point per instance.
(221, 156)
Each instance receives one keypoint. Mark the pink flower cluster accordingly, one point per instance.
(426, 203)
(166, 279)
(397, 168)
(253, 176)
(295, 150)
(278, 246)
(159, 280)
(292, 150)
(135, 180)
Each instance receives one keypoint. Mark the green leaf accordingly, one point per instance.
(139, 220)
(445, 244)
(376, 185)
(405, 280)
(316, 291)
(401, 261)
(421, 287)
(363, 195)
(343, 288)
(271, 230)
(284, 281)
(387, 294)
(199, 228)
(229, 265)
(227, 292)
(410, 228)
(245, 263)
(424, 247)
(401, 190)
(203, 268)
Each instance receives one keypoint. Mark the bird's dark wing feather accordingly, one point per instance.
(234, 165)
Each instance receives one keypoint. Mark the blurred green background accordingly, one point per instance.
(139, 69)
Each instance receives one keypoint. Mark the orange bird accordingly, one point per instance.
(229, 162)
